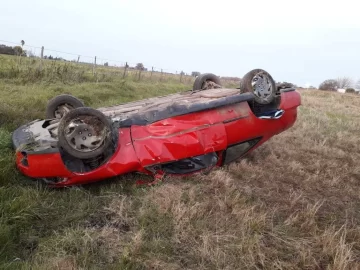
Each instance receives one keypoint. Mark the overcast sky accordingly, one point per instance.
(304, 42)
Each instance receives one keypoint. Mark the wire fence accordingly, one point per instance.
(46, 61)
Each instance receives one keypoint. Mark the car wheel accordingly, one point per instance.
(262, 85)
(207, 81)
(85, 133)
(284, 85)
(61, 105)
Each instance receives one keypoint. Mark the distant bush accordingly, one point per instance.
(140, 66)
(350, 90)
(195, 73)
(54, 58)
(329, 85)
(7, 50)
(344, 82)
(17, 50)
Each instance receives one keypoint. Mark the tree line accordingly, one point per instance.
(340, 83)
(16, 50)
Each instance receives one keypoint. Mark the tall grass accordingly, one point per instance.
(30, 70)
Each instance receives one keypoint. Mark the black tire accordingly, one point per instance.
(60, 100)
(258, 105)
(97, 118)
(203, 78)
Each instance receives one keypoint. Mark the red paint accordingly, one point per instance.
(170, 140)
(152, 148)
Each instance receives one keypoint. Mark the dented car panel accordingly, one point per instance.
(204, 139)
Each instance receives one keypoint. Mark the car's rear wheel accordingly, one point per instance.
(61, 105)
(207, 81)
(85, 133)
(262, 85)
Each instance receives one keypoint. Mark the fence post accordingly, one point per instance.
(139, 74)
(41, 57)
(78, 59)
(124, 74)
(181, 74)
(161, 75)
(94, 67)
(152, 70)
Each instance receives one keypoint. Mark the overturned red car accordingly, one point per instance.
(177, 134)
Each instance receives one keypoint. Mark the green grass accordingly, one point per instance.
(292, 204)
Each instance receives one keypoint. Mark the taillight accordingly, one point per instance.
(24, 160)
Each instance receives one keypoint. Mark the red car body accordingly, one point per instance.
(149, 148)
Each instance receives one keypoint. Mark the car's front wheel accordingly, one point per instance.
(262, 85)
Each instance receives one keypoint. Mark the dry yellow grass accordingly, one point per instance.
(292, 204)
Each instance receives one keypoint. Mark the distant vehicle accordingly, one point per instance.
(177, 134)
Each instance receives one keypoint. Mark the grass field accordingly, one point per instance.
(291, 204)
